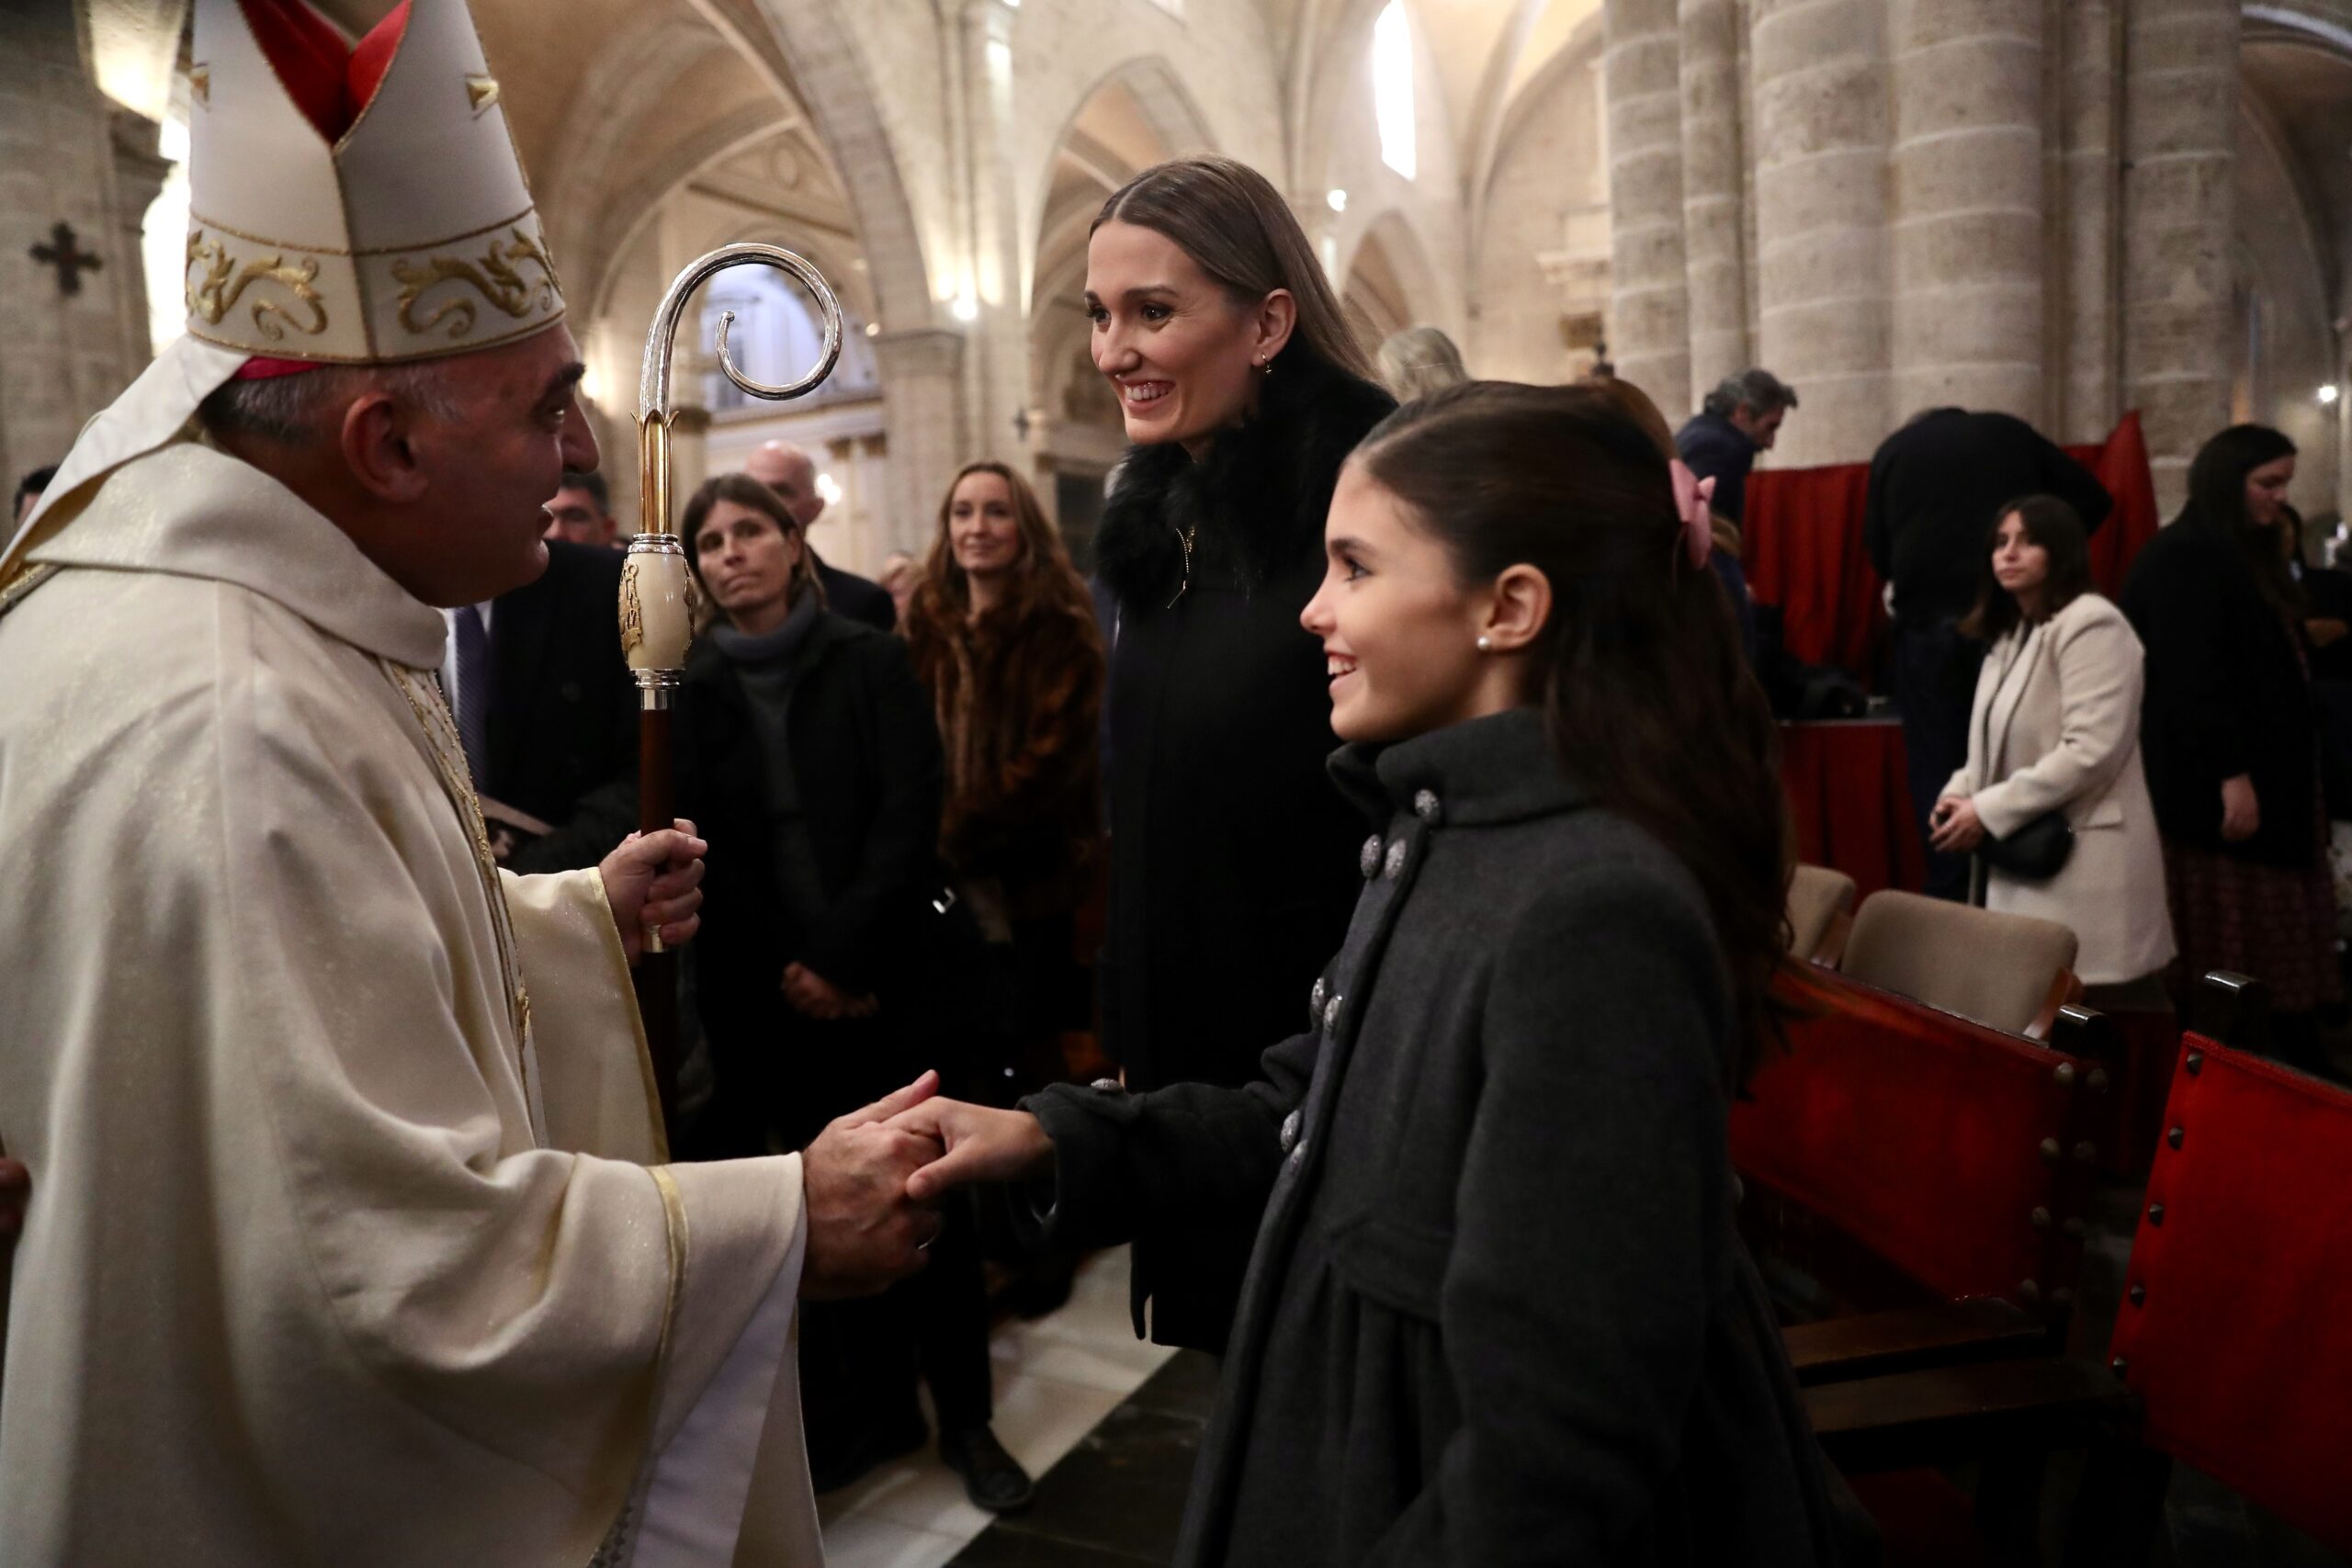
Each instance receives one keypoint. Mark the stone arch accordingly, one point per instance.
(810, 45)
(1389, 283)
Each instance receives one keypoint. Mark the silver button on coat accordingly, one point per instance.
(1427, 806)
(1368, 860)
(1395, 860)
(1291, 1124)
(1331, 1015)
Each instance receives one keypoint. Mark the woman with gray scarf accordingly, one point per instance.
(809, 756)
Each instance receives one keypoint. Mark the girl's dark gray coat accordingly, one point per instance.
(1498, 1311)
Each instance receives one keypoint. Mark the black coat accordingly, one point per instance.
(1232, 855)
(858, 598)
(866, 759)
(1715, 448)
(2225, 696)
(563, 708)
(1936, 488)
(1498, 1312)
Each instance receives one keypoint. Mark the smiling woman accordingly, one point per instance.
(1233, 855)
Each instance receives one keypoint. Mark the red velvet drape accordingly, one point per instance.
(1802, 544)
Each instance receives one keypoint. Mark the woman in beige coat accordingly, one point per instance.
(2056, 727)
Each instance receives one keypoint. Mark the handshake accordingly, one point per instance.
(873, 1181)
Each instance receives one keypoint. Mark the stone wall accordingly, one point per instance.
(67, 155)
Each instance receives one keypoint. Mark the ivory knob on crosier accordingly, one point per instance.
(658, 603)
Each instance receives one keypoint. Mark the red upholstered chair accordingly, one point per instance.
(1950, 1153)
(1930, 1173)
(2236, 1327)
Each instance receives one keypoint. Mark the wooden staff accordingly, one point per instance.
(659, 605)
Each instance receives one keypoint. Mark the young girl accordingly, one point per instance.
(1498, 1311)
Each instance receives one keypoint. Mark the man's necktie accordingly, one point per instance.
(473, 690)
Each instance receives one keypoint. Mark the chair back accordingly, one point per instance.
(1952, 1152)
(1817, 896)
(2000, 970)
(2233, 1330)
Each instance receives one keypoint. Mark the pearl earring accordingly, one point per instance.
(1486, 645)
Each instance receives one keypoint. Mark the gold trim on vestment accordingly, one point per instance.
(198, 219)
(456, 782)
(225, 282)
(406, 354)
(19, 584)
(492, 275)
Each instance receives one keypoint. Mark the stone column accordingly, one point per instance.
(1965, 176)
(922, 406)
(2086, 327)
(1823, 316)
(2179, 145)
(996, 366)
(1649, 331)
(1714, 172)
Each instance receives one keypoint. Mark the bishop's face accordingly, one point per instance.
(487, 471)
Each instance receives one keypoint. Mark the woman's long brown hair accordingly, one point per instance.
(1639, 671)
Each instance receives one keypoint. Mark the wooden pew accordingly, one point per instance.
(1931, 1174)
(1928, 1171)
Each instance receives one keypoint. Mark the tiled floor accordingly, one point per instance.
(1057, 1380)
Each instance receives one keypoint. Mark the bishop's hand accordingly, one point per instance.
(864, 1233)
(656, 879)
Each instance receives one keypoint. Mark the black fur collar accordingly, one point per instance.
(1256, 501)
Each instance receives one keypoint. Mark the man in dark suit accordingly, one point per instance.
(546, 705)
(1937, 486)
(787, 470)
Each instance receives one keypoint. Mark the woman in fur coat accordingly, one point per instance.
(1002, 634)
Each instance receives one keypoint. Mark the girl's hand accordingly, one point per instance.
(1957, 827)
(2241, 812)
(981, 1145)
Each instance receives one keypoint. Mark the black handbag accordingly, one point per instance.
(2035, 852)
(2038, 851)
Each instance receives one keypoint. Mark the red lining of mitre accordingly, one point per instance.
(328, 80)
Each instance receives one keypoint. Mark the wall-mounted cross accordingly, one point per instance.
(68, 257)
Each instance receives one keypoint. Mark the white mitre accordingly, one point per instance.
(411, 236)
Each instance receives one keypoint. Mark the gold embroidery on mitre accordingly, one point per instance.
(224, 282)
(493, 274)
(199, 82)
(632, 614)
(481, 91)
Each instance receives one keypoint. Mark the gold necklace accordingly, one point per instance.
(1185, 537)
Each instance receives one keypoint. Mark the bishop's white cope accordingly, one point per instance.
(340, 1251)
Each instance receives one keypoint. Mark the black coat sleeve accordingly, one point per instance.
(1591, 1237)
(854, 945)
(603, 818)
(1125, 1164)
(1878, 535)
(2195, 695)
